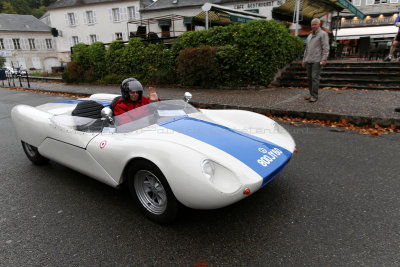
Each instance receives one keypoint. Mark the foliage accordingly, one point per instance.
(2, 61)
(8, 8)
(236, 55)
(198, 66)
(54, 32)
(72, 73)
(261, 48)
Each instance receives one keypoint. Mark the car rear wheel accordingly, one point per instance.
(152, 192)
(33, 154)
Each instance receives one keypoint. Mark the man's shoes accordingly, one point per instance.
(307, 97)
(388, 59)
(313, 99)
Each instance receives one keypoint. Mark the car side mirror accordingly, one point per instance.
(187, 97)
(106, 113)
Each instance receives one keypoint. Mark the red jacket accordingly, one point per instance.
(122, 106)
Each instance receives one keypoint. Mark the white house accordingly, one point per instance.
(26, 42)
(89, 21)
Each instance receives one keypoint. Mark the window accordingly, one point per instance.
(17, 46)
(377, 2)
(75, 40)
(92, 38)
(31, 44)
(49, 44)
(131, 12)
(72, 19)
(115, 14)
(165, 31)
(356, 2)
(90, 17)
(189, 27)
(2, 47)
(118, 36)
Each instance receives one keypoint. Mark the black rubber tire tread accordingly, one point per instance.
(36, 159)
(172, 203)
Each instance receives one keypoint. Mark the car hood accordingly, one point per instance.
(260, 155)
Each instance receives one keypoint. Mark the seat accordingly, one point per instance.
(89, 109)
(113, 103)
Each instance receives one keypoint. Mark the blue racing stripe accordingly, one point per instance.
(265, 158)
(105, 103)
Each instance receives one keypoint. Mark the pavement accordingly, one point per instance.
(359, 107)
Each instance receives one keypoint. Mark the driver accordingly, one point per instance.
(132, 96)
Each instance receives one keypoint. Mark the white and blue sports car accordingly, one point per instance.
(168, 152)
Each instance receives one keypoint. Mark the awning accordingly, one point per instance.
(164, 22)
(373, 32)
(311, 9)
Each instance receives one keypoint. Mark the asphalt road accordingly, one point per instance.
(336, 203)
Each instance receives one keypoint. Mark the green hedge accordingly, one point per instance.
(235, 55)
(250, 53)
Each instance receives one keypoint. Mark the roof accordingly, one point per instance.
(22, 23)
(173, 4)
(72, 3)
(313, 9)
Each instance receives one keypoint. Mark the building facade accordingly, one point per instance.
(27, 43)
(89, 21)
(190, 10)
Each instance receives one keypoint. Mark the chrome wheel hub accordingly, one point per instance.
(150, 192)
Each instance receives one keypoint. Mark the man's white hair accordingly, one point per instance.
(317, 20)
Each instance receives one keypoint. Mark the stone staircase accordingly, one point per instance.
(370, 75)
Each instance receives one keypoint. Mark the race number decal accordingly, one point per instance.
(269, 157)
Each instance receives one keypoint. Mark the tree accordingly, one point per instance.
(21, 7)
(38, 12)
(8, 8)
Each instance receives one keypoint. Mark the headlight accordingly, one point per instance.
(208, 168)
(220, 177)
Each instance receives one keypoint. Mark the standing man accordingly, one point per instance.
(395, 41)
(315, 56)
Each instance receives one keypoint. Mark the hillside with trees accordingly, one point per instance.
(25, 7)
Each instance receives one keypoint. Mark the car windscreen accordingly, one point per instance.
(153, 113)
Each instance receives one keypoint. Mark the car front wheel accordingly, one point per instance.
(33, 154)
(152, 192)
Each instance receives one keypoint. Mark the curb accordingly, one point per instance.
(333, 117)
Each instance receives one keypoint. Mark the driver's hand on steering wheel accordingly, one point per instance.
(153, 94)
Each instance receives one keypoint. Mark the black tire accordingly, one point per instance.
(151, 191)
(33, 154)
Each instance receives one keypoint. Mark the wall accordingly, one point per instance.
(25, 57)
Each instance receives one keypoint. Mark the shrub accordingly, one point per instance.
(114, 59)
(72, 73)
(198, 66)
(113, 78)
(97, 67)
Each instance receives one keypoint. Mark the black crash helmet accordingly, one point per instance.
(131, 85)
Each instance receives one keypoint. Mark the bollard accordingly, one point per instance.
(19, 78)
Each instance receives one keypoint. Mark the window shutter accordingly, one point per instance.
(76, 18)
(84, 14)
(98, 38)
(44, 44)
(370, 2)
(94, 17)
(124, 13)
(137, 15)
(8, 44)
(71, 41)
(24, 44)
(124, 36)
(110, 15)
(88, 39)
(66, 19)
